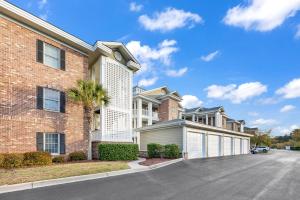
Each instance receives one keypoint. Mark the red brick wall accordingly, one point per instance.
(20, 74)
(168, 110)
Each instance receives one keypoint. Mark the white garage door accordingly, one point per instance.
(237, 146)
(213, 145)
(245, 146)
(227, 146)
(195, 145)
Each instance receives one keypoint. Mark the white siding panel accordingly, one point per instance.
(227, 146)
(213, 143)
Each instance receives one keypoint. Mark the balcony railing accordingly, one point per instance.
(113, 136)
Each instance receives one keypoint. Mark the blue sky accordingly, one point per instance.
(243, 55)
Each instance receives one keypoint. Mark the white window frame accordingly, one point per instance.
(44, 55)
(44, 100)
(58, 145)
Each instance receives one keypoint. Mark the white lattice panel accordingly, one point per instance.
(117, 79)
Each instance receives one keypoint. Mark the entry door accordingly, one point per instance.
(195, 145)
(237, 146)
(227, 146)
(213, 145)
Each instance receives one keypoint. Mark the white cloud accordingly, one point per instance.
(147, 82)
(134, 7)
(290, 90)
(279, 130)
(210, 56)
(190, 101)
(236, 93)
(177, 73)
(263, 122)
(169, 19)
(268, 101)
(254, 114)
(42, 3)
(287, 108)
(261, 15)
(147, 55)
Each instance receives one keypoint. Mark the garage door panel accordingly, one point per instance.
(213, 145)
(227, 146)
(195, 145)
(237, 146)
(245, 146)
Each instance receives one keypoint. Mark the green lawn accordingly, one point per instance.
(23, 175)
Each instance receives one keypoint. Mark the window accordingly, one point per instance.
(51, 100)
(51, 143)
(51, 56)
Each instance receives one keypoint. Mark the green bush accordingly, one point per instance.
(154, 150)
(295, 148)
(77, 155)
(12, 160)
(37, 158)
(171, 151)
(58, 159)
(118, 151)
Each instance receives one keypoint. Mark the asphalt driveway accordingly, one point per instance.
(271, 176)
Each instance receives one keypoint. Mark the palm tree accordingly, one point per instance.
(91, 95)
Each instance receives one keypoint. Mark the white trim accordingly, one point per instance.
(44, 55)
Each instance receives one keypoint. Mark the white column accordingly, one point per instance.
(193, 118)
(139, 113)
(206, 119)
(184, 143)
(218, 119)
(149, 113)
(242, 127)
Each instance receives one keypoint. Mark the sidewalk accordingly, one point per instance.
(134, 168)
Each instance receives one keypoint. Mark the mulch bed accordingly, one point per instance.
(153, 161)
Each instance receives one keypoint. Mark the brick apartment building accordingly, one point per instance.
(38, 63)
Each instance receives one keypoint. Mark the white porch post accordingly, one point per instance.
(206, 119)
(193, 118)
(139, 113)
(149, 113)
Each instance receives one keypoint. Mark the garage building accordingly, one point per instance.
(195, 140)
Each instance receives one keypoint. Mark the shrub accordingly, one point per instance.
(1, 160)
(118, 151)
(58, 159)
(77, 155)
(37, 158)
(12, 160)
(171, 151)
(154, 150)
(295, 148)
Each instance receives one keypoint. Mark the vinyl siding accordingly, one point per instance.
(162, 136)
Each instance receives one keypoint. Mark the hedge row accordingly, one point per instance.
(16, 160)
(118, 151)
(295, 148)
(163, 151)
(37, 158)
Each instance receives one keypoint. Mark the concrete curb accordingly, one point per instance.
(72, 179)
